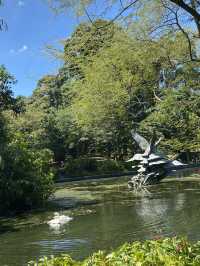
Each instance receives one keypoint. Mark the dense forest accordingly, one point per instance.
(78, 121)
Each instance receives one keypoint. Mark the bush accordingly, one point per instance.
(26, 180)
(80, 166)
(163, 252)
(109, 166)
(89, 166)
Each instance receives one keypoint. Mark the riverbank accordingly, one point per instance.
(166, 252)
(88, 177)
(91, 168)
(62, 179)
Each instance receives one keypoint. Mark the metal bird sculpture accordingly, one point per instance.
(150, 165)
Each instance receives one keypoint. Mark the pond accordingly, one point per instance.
(105, 215)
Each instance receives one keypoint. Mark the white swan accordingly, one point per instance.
(59, 220)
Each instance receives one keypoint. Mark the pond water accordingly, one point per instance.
(105, 215)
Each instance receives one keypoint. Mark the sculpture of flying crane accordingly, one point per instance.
(151, 167)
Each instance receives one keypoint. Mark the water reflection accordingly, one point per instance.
(109, 214)
(62, 244)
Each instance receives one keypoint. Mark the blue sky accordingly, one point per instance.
(31, 26)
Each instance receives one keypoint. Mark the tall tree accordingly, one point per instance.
(6, 82)
(6, 102)
(122, 84)
(158, 16)
(86, 41)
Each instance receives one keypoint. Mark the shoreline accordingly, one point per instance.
(118, 174)
(88, 177)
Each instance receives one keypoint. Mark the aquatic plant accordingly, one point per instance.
(166, 252)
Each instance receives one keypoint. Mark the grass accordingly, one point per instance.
(161, 252)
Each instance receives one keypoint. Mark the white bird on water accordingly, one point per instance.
(59, 220)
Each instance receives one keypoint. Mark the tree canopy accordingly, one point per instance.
(150, 18)
(110, 82)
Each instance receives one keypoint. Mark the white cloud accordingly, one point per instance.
(20, 50)
(23, 49)
(20, 3)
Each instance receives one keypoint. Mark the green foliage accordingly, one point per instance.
(19, 105)
(110, 82)
(3, 131)
(177, 118)
(26, 180)
(111, 166)
(48, 90)
(118, 88)
(86, 41)
(92, 166)
(165, 252)
(61, 134)
(80, 166)
(25, 177)
(6, 82)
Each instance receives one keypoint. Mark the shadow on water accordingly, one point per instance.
(105, 214)
(5, 227)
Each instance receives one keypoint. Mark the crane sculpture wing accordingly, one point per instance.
(141, 141)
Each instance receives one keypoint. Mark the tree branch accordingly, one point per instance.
(185, 34)
(193, 3)
(124, 9)
(183, 31)
(87, 14)
(166, 23)
(3, 25)
(192, 11)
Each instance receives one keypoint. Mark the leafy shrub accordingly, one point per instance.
(162, 252)
(80, 166)
(88, 166)
(26, 180)
(109, 166)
